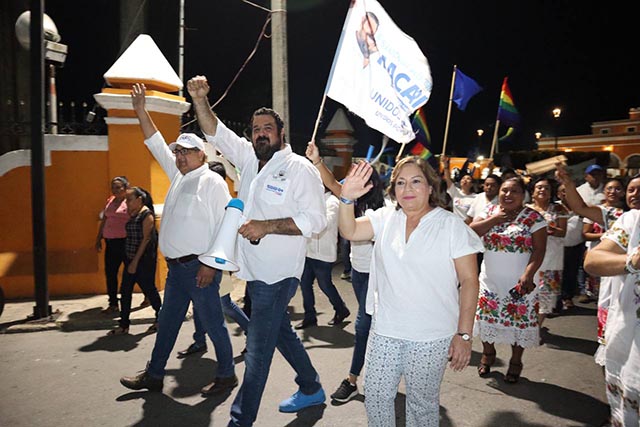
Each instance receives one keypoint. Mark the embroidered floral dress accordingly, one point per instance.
(622, 368)
(548, 278)
(508, 246)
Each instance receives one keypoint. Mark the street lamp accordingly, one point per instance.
(480, 132)
(538, 135)
(556, 114)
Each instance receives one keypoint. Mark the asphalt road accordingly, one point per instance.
(71, 378)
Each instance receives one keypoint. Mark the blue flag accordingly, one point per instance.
(464, 88)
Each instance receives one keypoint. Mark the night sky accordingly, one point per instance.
(555, 53)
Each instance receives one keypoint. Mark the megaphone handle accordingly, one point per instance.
(254, 242)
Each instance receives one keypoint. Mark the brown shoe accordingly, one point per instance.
(219, 385)
(142, 380)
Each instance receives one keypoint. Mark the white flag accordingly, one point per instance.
(379, 72)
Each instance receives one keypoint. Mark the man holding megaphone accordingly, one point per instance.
(284, 204)
(193, 211)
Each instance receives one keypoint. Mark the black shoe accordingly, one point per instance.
(192, 349)
(345, 392)
(339, 318)
(219, 385)
(306, 324)
(142, 380)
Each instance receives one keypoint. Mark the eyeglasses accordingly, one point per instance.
(184, 151)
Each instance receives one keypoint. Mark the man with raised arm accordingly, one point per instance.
(284, 204)
(192, 214)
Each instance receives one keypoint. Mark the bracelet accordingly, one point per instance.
(319, 161)
(628, 267)
(346, 201)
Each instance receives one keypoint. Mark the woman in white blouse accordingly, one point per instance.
(421, 318)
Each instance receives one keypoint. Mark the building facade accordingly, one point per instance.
(621, 138)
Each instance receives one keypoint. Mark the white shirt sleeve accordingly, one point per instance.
(234, 148)
(310, 214)
(160, 151)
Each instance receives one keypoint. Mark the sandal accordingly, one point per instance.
(153, 327)
(513, 374)
(118, 331)
(485, 367)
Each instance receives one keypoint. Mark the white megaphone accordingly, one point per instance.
(223, 255)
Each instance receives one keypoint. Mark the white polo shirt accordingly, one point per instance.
(413, 286)
(193, 207)
(288, 186)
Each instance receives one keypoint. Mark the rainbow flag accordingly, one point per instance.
(420, 128)
(507, 112)
(507, 135)
(421, 151)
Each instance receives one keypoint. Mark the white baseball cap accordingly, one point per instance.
(188, 140)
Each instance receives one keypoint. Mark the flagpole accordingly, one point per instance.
(446, 127)
(400, 152)
(494, 142)
(315, 127)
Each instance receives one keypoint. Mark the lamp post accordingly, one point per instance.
(538, 136)
(556, 114)
(479, 132)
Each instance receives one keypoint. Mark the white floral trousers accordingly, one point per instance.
(422, 364)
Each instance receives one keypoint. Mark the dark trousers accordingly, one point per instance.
(114, 257)
(345, 250)
(573, 256)
(145, 277)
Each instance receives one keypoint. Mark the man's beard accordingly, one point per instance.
(264, 150)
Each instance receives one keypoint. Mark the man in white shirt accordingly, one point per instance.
(193, 210)
(592, 191)
(284, 203)
(491, 187)
(322, 252)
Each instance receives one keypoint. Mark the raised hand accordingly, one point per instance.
(198, 87)
(356, 183)
(138, 94)
(562, 175)
(312, 152)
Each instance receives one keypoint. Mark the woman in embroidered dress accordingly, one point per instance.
(549, 277)
(141, 256)
(420, 318)
(598, 220)
(514, 238)
(618, 254)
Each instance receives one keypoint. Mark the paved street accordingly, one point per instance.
(70, 377)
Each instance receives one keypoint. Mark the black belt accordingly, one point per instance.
(181, 260)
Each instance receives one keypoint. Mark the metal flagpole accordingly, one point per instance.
(446, 127)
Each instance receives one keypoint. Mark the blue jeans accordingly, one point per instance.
(360, 282)
(345, 250)
(180, 290)
(321, 270)
(270, 327)
(230, 309)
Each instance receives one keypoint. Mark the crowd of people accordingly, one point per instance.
(499, 262)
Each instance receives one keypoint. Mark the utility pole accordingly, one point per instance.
(36, 34)
(279, 63)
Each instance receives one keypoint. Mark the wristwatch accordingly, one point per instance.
(465, 336)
